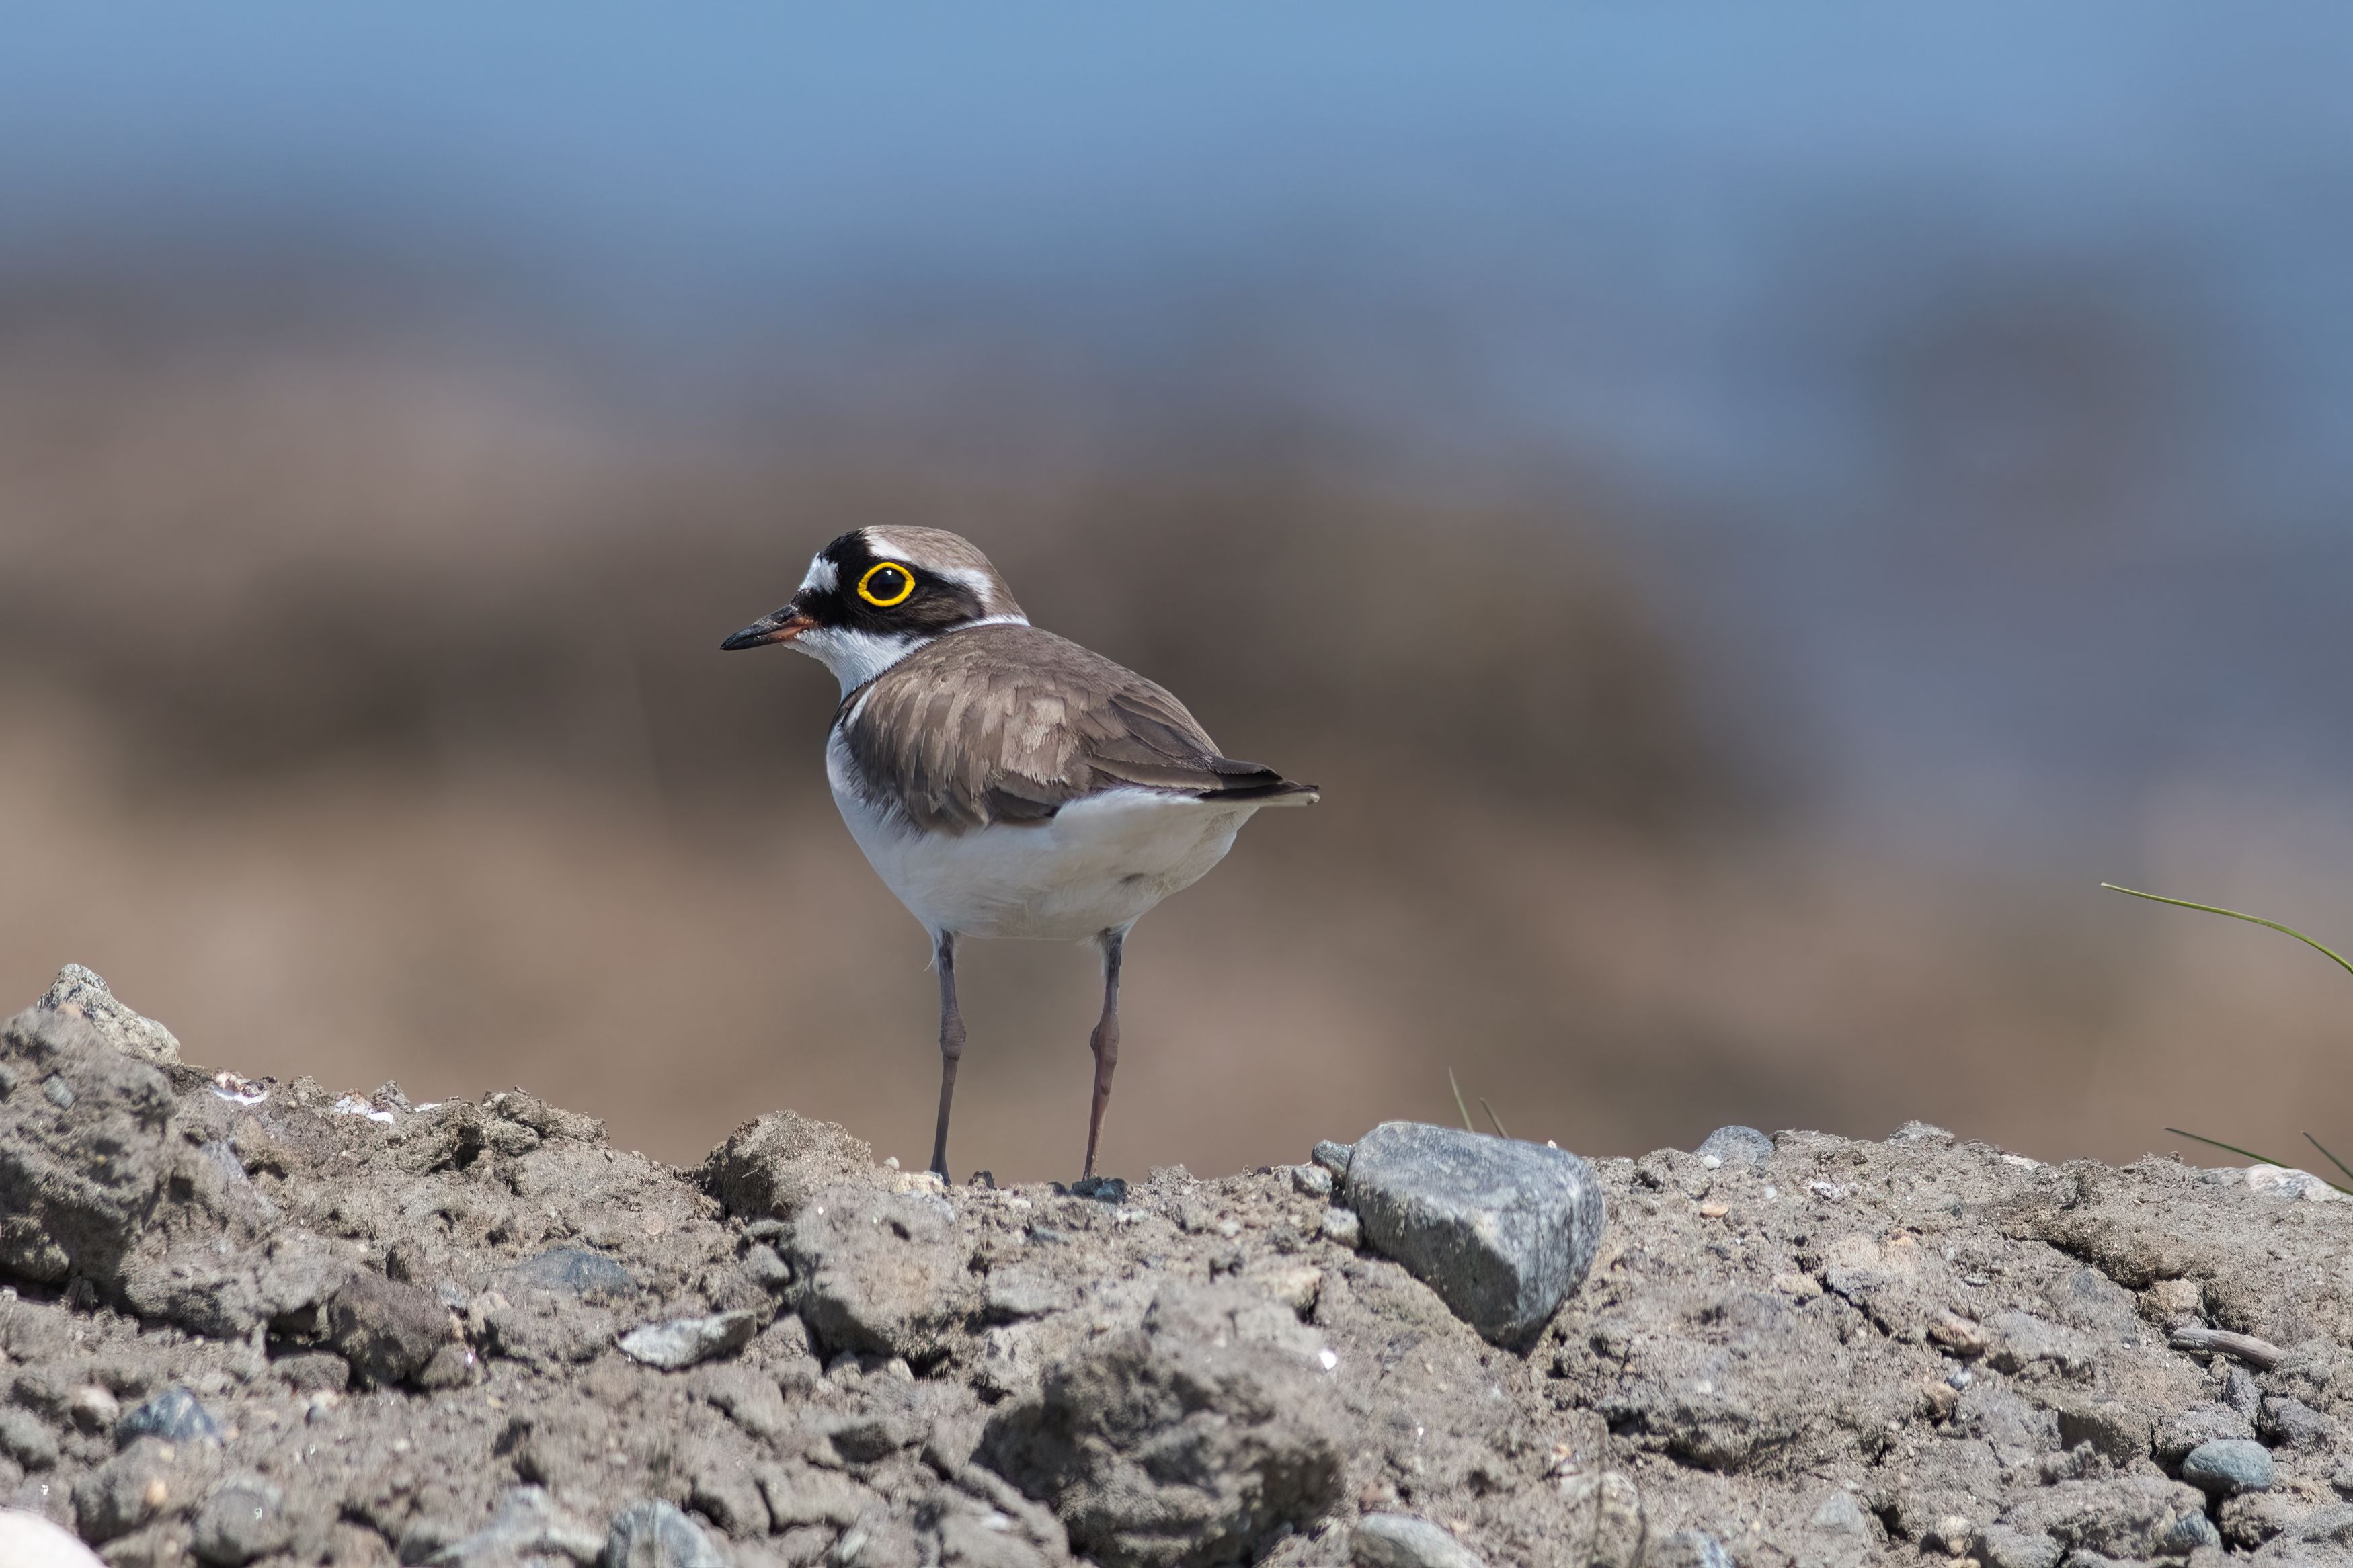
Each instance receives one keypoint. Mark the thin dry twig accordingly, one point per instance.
(2261, 1354)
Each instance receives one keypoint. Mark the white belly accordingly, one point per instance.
(1098, 865)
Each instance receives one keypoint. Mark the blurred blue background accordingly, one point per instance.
(1948, 408)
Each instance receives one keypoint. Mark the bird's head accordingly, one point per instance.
(873, 595)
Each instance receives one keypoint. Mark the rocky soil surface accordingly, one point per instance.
(267, 1323)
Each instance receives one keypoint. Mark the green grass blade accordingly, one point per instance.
(1458, 1101)
(2332, 1160)
(2334, 956)
(1499, 1121)
(2233, 1147)
(2266, 1158)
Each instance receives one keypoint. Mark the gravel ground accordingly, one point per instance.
(265, 1322)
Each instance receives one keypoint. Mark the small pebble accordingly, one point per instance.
(1333, 1157)
(2228, 1467)
(1311, 1180)
(1102, 1189)
(1404, 1540)
(1950, 1533)
(1689, 1549)
(1342, 1226)
(657, 1535)
(683, 1342)
(1713, 1211)
(1743, 1148)
(175, 1415)
(94, 1409)
(241, 1521)
(1840, 1514)
(2000, 1546)
(27, 1439)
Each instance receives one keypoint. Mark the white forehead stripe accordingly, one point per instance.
(823, 577)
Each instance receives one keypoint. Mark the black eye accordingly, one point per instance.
(886, 583)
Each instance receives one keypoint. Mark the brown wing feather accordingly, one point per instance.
(1009, 723)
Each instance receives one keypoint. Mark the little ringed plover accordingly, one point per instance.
(1002, 781)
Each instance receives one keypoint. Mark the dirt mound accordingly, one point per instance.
(261, 1323)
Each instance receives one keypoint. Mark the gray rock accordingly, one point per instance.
(800, 1495)
(525, 1524)
(1181, 1442)
(1840, 1514)
(175, 1415)
(2000, 1546)
(879, 1272)
(2119, 1431)
(2230, 1465)
(2191, 1532)
(657, 1535)
(2129, 1517)
(241, 1520)
(77, 1183)
(2293, 1424)
(1502, 1230)
(1405, 1540)
(27, 1439)
(1311, 1180)
(79, 993)
(878, 1539)
(680, 1342)
(94, 1408)
(124, 1493)
(389, 1331)
(1344, 1227)
(568, 1271)
(2241, 1393)
(313, 1371)
(2199, 1425)
(1607, 1525)
(1739, 1148)
(1689, 1549)
(766, 1267)
(1333, 1157)
(772, 1167)
(1020, 1291)
(2020, 1340)
(2320, 1537)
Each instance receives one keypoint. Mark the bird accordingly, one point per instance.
(1002, 781)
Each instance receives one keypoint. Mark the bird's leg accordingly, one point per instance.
(1105, 1040)
(951, 1047)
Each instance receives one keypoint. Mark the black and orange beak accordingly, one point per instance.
(784, 626)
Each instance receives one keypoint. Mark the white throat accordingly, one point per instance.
(856, 657)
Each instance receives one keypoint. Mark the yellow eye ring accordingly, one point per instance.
(906, 586)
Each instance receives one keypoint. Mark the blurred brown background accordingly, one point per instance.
(1743, 565)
